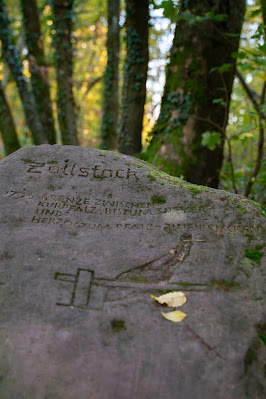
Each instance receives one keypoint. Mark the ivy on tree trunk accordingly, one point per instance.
(37, 66)
(11, 56)
(7, 126)
(110, 98)
(63, 15)
(199, 79)
(135, 76)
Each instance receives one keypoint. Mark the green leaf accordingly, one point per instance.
(169, 9)
(220, 17)
(247, 128)
(188, 16)
(232, 34)
(211, 140)
(239, 54)
(213, 69)
(245, 66)
(252, 113)
(235, 138)
(262, 48)
(225, 67)
(219, 101)
(255, 12)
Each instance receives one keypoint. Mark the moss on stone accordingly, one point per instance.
(118, 325)
(140, 281)
(241, 209)
(249, 201)
(251, 356)
(254, 254)
(158, 200)
(224, 285)
(151, 177)
(193, 189)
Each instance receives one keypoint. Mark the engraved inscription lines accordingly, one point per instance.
(73, 169)
(80, 212)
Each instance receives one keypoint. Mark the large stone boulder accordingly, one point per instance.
(86, 237)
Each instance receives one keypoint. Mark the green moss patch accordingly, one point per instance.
(254, 255)
(158, 200)
(118, 325)
(151, 177)
(193, 189)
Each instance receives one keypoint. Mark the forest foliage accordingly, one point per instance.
(81, 72)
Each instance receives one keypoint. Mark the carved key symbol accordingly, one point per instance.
(157, 272)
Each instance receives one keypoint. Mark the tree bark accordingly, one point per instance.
(63, 55)
(38, 68)
(7, 126)
(12, 59)
(110, 100)
(135, 76)
(195, 80)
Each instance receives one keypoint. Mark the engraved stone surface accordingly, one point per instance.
(86, 237)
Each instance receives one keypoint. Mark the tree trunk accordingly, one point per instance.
(63, 16)
(38, 68)
(7, 126)
(111, 104)
(197, 92)
(135, 76)
(12, 59)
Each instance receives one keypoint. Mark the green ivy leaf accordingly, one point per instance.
(225, 67)
(239, 54)
(219, 101)
(247, 128)
(245, 66)
(211, 140)
(255, 12)
(169, 9)
(232, 34)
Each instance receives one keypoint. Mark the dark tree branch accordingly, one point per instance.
(231, 163)
(91, 84)
(251, 94)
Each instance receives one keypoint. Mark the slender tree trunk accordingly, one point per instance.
(197, 92)
(135, 76)
(7, 126)
(12, 59)
(38, 68)
(111, 104)
(63, 16)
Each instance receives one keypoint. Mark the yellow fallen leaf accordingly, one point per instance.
(174, 316)
(172, 299)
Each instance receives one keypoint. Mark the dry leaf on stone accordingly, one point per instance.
(172, 299)
(174, 316)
